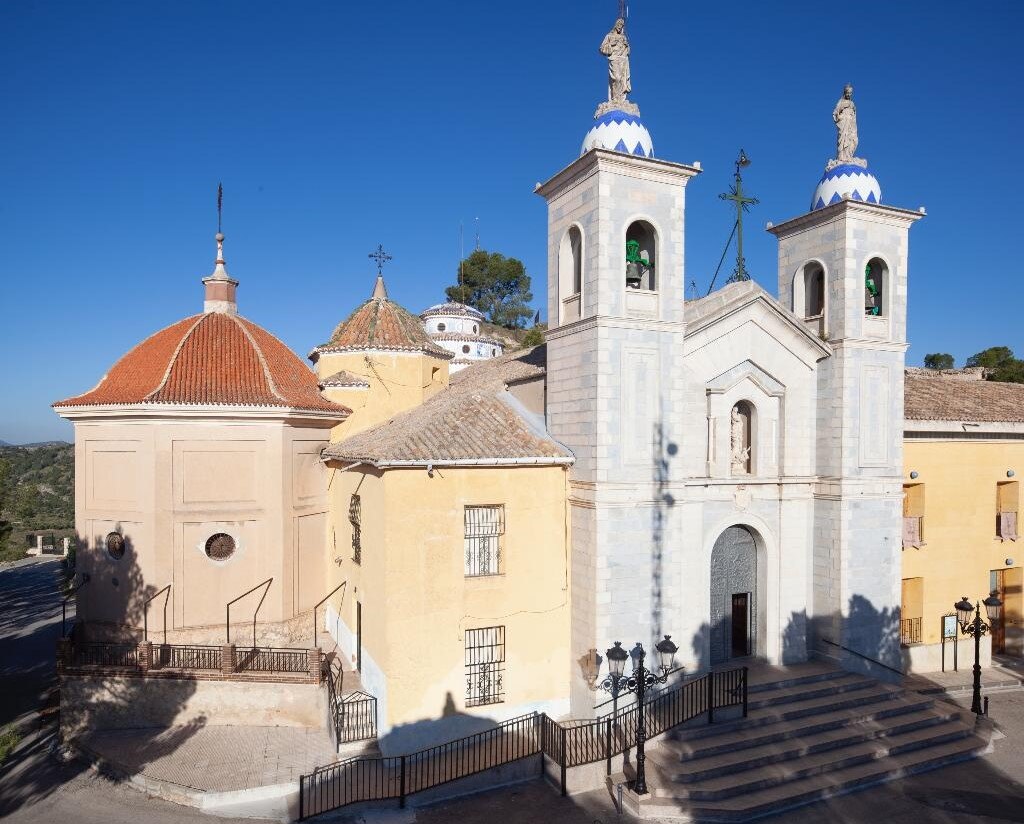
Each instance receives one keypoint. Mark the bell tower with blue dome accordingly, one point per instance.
(615, 339)
(843, 272)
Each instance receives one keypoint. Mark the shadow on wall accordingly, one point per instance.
(29, 634)
(662, 453)
(865, 640)
(448, 725)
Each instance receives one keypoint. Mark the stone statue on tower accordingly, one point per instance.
(844, 115)
(615, 47)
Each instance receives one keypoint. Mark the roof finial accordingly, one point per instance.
(380, 291)
(220, 286)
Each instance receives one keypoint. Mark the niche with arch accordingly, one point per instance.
(641, 256)
(741, 438)
(876, 285)
(570, 274)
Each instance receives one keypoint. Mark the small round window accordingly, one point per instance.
(115, 545)
(475, 328)
(220, 547)
(441, 327)
(465, 349)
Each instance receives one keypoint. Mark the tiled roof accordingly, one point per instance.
(213, 358)
(474, 420)
(942, 398)
(381, 324)
(451, 309)
(344, 378)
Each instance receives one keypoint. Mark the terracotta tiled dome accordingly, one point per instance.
(381, 324)
(213, 358)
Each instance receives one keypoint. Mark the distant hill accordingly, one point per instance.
(37, 491)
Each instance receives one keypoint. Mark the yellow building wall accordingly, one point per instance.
(417, 601)
(961, 548)
(398, 382)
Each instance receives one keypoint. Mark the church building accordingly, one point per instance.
(726, 470)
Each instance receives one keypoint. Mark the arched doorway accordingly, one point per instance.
(736, 620)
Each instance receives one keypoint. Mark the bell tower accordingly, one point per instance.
(843, 270)
(616, 328)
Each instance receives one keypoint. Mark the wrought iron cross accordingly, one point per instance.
(743, 204)
(220, 204)
(381, 257)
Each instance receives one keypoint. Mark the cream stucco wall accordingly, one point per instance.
(398, 382)
(960, 548)
(167, 484)
(417, 602)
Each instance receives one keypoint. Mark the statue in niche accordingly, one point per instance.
(636, 264)
(739, 446)
(615, 47)
(872, 302)
(844, 115)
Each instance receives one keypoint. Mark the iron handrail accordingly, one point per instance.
(64, 604)
(145, 612)
(865, 657)
(321, 601)
(227, 627)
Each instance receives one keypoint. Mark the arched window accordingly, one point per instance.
(570, 273)
(741, 443)
(876, 276)
(641, 251)
(475, 328)
(814, 290)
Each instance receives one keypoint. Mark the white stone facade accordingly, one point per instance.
(641, 387)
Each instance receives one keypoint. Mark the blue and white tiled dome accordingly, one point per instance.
(620, 132)
(848, 177)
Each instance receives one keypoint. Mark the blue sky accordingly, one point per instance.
(337, 126)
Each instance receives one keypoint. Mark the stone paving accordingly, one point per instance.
(214, 758)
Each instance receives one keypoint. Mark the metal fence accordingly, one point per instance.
(178, 656)
(357, 717)
(567, 744)
(910, 631)
(104, 654)
(268, 659)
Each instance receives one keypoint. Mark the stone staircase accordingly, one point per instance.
(806, 738)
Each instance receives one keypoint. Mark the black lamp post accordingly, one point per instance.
(639, 682)
(975, 627)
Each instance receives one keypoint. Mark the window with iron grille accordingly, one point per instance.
(484, 527)
(355, 518)
(485, 666)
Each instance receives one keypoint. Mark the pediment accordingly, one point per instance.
(744, 371)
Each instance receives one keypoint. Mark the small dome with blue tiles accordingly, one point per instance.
(619, 131)
(846, 178)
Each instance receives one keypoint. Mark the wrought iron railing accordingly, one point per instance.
(177, 656)
(358, 717)
(268, 659)
(910, 631)
(104, 654)
(567, 744)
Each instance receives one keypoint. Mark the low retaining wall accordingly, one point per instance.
(127, 702)
(924, 658)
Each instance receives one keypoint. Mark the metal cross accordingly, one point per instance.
(743, 204)
(623, 10)
(220, 204)
(381, 257)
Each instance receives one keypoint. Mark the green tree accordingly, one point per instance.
(496, 285)
(1001, 363)
(938, 360)
(26, 502)
(533, 337)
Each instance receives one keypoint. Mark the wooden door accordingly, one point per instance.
(740, 624)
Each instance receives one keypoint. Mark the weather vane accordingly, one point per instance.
(381, 257)
(220, 204)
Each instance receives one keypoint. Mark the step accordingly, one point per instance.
(821, 705)
(738, 737)
(797, 680)
(805, 692)
(732, 761)
(814, 788)
(829, 762)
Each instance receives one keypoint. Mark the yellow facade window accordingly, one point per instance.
(1007, 507)
(913, 516)
(484, 526)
